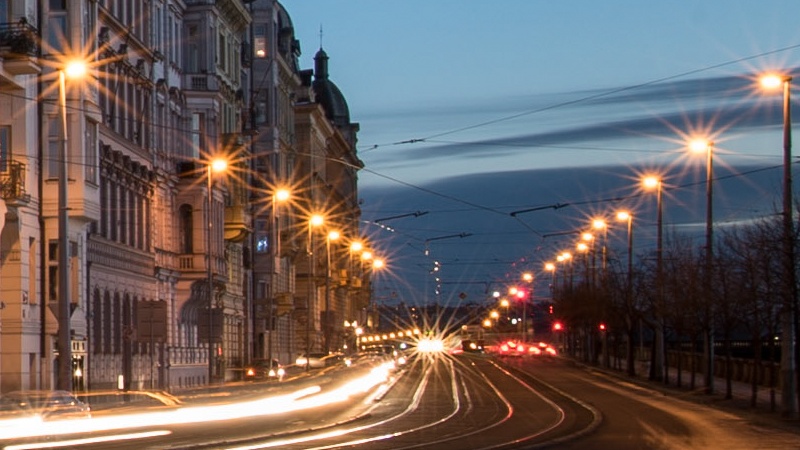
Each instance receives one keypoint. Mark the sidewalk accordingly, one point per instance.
(768, 401)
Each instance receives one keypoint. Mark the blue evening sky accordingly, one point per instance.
(433, 69)
(473, 109)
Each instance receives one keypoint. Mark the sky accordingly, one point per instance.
(472, 110)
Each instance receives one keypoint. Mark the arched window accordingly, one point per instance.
(107, 323)
(97, 323)
(186, 236)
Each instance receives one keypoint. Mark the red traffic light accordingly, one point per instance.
(557, 326)
(602, 327)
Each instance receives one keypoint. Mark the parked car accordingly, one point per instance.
(320, 360)
(49, 405)
(261, 369)
(315, 361)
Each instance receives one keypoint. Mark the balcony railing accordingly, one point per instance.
(12, 181)
(18, 40)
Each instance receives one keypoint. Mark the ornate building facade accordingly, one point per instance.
(176, 276)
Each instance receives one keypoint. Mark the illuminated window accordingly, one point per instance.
(260, 41)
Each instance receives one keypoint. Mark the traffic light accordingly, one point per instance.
(602, 327)
(557, 326)
(551, 309)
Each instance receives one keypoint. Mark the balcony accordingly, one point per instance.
(12, 183)
(19, 48)
(203, 82)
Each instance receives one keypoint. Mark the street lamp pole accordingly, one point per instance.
(528, 278)
(628, 217)
(788, 345)
(278, 197)
(315, 220)
(789, 322)
(709, 258)
(657, 371)
(660, 358)
(709, 262)
(210, 276)
(64, 333)
(215, 165)
(332, 236)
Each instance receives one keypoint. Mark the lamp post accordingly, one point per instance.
(278, 197)
(216, 165)
(657, 372)
(73, 69)
(528, 278)
(600, 224)
(708, 148)
(626, 216)
(316, 220)
(790, 314)
(332, 236)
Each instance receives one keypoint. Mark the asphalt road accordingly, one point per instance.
(463, 402)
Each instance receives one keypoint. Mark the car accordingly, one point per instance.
(261, 369)
(49, 405)
(316, 361)
(471, 346)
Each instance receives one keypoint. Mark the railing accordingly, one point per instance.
(18, 39)
(12, 181)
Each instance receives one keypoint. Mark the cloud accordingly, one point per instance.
(486, 240)
(728, 103)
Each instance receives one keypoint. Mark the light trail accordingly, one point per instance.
(307, 398)
(85, 441)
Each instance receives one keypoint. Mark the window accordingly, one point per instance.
(193, 53)
(4, 11)
(197, 133)
(53, 143)
(220, 56)
(262, 239)
(57, 26)
(90, 158)
(5, 146)
(97, 322)
(260, 44)
(186, 226)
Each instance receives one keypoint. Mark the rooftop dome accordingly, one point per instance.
(327, 93)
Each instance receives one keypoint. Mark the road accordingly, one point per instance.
(462, 402)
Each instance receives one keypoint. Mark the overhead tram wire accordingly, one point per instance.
(585, 99)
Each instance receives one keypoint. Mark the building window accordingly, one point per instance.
(262, 239)
(197, 135)
(186, 227)
(91, 152)
(53, 142)
(97, 322)
(260, 41)
(57, 26)
(5, 147)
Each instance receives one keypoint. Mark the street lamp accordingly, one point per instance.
(75, 69)
(332, 236)
(216, 165)
(789, 324)
(655, 183)
(315, 220)
(279, 196)
(528, 278)
(600, 224)
(700, 146)
(626, 216)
